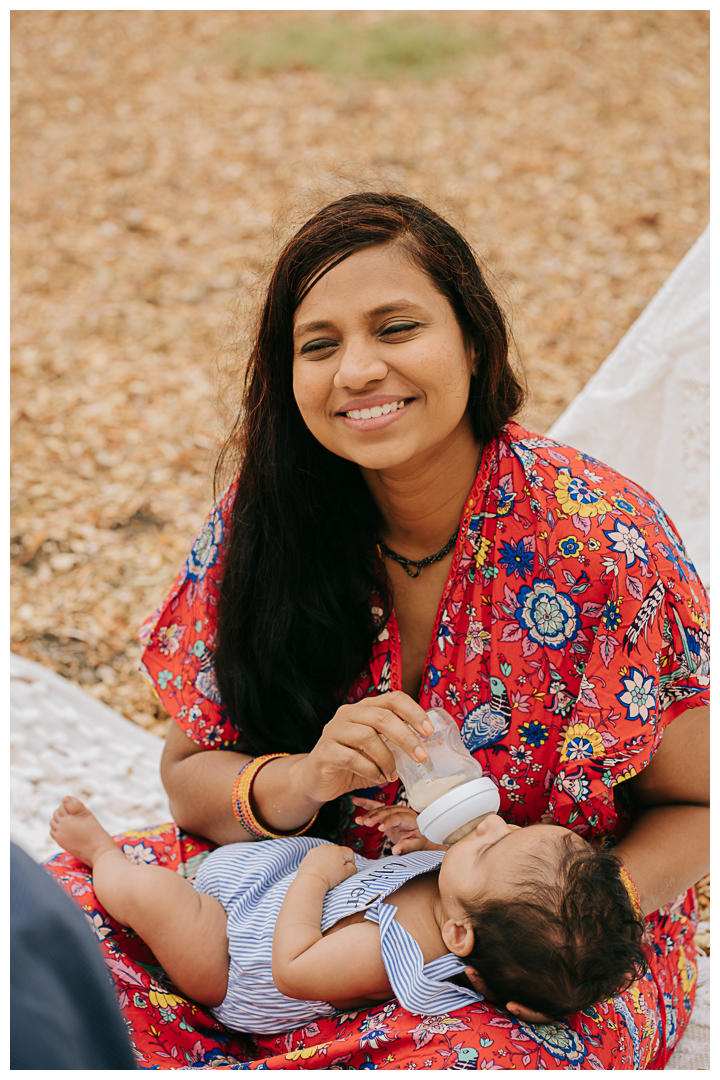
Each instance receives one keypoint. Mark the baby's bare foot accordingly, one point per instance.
(77, 830)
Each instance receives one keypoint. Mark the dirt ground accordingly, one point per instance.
(154, 177)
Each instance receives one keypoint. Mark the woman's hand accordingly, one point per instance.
(330, 863)
(399, 823)
(351, 752)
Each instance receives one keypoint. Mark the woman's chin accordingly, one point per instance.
(394, 448)
(380, 459)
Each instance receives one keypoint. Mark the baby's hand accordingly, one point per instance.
(399, 823)
(331, 863)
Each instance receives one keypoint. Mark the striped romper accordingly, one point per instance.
(250, 881)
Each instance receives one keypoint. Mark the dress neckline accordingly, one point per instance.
(475, 500)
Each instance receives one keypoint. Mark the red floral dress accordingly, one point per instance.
(571, 630)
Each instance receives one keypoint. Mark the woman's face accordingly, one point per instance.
(381, 373)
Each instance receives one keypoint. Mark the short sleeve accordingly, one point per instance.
(179, 639)
(648, 663)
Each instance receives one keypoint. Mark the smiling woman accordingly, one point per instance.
(332, 486)
(553, 611)
(411, 347)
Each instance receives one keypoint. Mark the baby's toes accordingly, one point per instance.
(73, 805)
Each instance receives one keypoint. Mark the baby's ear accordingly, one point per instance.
(459, 937)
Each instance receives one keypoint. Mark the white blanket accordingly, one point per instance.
(64, 742)
(646, 410)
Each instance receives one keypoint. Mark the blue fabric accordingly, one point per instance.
(419, 988)
(63, 1010)
(251, 880)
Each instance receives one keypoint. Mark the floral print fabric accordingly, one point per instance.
(572, 629)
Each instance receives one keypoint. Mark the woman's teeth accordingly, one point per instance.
(377, 410)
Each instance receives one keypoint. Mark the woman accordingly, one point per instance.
(385, 496)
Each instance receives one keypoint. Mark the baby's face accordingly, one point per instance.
(489, 862)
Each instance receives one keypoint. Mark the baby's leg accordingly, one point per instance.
(186, 930)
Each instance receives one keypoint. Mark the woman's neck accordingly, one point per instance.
(422, 501)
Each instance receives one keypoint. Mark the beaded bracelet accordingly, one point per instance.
(631, 891)
(242, 807)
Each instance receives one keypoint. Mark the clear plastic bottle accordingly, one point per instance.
(448, 788)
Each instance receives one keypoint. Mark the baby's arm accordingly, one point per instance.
(399, 823)
(343, 966)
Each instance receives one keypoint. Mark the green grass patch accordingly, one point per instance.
(399, 46)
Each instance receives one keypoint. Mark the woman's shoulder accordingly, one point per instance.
(203, 562)
(539, 457)
(179, 638)
(587, 505)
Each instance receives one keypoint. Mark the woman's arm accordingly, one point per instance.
(288, 791)
(199, 786)
(667, 848)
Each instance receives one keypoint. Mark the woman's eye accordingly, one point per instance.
(317, 346)
(399, 328)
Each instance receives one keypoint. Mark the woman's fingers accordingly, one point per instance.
(375, 723)
(350, 734)
(529, 1016)
(349, 760)
(354, 749)
(406, 709)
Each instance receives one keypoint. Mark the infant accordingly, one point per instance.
(272, 935)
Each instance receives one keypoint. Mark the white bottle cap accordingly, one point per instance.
(454, 809)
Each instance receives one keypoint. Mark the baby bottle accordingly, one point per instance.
(448, 787)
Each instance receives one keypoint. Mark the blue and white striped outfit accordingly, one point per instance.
(251, 880)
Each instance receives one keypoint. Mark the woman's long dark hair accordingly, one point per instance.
(295, 623)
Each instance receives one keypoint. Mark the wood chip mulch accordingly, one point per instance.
(153, 181)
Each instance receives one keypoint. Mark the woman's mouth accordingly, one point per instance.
(372, 417)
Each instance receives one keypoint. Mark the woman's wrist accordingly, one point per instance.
(278, 798)
(665, 851)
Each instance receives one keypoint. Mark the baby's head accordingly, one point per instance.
(548, 921)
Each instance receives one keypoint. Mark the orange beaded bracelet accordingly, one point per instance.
(242, 807)
(631, 891)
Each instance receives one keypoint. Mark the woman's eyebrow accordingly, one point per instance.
(393, 305)
(319, 324)
(382, 309)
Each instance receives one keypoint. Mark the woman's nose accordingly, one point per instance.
(359, 365)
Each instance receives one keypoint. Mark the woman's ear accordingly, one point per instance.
(459, 937)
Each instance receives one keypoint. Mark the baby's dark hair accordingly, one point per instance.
(568, 939)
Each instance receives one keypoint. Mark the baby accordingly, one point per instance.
(275, 934)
